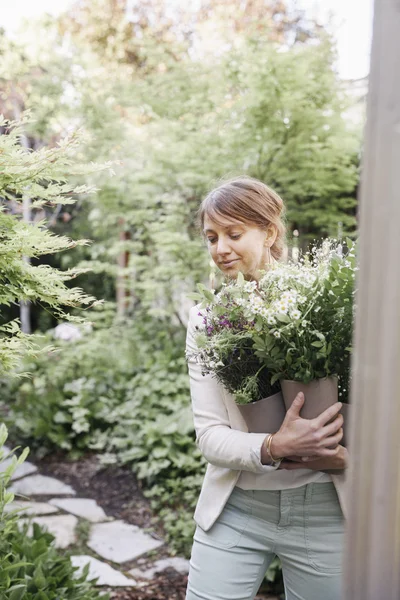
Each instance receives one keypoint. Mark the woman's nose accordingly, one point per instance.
(223, 246)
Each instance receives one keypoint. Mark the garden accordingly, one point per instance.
(115, 124)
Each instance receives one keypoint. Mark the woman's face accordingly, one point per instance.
(236, 246)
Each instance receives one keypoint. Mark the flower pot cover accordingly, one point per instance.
(264, 416)
(319, 394)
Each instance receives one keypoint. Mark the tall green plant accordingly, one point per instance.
(41, 175)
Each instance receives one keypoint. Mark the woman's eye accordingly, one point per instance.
(211, 240)
(235, 236)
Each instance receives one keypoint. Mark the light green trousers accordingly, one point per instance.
(303, 526)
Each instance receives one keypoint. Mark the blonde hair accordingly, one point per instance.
(251, 201)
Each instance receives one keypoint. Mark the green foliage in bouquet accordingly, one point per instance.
(312, 305)
(297, 322)
(31, 568)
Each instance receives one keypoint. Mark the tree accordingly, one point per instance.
(289, 130)
(41, 175)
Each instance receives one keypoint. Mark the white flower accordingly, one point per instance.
(271, 320)
(295, 314)
(240, 301)
(277, 334)
(282, 308)
(250, 286)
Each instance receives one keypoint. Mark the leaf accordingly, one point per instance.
(240, 278)
(283, 318)
(195, 296)
(16, 592)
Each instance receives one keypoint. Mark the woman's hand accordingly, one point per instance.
(328, 463)
(317, 437)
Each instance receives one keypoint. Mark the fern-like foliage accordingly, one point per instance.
(42, 176)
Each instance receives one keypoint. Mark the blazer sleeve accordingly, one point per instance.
(219, 444)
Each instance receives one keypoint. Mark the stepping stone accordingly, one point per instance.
(175, 562)
(61, 526)
(41, 485)
(105, 573)
(82, 507)
(117, 541)
(26, 468)
(31, 508)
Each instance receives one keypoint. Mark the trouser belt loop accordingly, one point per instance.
(309, 492)
(284, 508)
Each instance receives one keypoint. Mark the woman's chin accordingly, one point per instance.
(231, 272)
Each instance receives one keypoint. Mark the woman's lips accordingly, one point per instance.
(229, 263)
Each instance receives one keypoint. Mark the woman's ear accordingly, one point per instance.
(272, 232)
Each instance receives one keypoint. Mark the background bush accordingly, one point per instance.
(31, 568)
(122, 391)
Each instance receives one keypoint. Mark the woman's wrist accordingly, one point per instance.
(268, 455)
(265, 457)
(278, 447)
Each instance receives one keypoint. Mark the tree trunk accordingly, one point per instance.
(25, 306)
(122, 293)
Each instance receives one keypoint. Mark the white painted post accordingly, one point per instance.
(372, 557)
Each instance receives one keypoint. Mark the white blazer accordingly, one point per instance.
(223, 438)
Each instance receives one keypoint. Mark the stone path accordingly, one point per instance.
(108, 538)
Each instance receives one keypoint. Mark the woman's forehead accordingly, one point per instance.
(221, 222)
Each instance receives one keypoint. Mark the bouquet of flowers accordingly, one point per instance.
(295, 323)
(226, 346)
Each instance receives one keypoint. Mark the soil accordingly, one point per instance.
(118, 492)
(114, 488)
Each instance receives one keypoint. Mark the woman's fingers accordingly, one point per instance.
(329, 451)
(333, 427)
(328, 414)
(332, 440)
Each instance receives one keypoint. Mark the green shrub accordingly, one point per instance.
(122, 391)
(154, 432)
(69, 396)
(31, 568)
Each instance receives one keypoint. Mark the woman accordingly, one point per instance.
(255, 503)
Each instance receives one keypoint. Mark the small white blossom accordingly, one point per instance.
(250, 286)
(240, 301)
(282, 308)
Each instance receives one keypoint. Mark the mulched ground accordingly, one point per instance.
(117, 491)
(114, 488)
